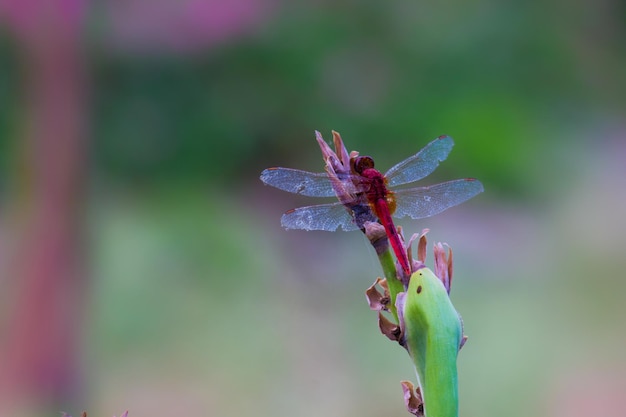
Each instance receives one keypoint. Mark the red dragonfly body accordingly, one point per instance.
(366, 195)
(383, 203)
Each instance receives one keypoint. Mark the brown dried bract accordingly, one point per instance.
(376, 300)
(443, 264)
(388, 328)
(413, 399)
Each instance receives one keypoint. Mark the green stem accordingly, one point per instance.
(377, 236)
(388, 265)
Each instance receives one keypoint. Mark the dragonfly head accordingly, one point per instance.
(361, 163)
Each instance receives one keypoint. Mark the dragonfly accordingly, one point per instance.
(367, 195)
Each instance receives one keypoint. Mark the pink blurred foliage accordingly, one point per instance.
(586, 391)
(154, 25)
(84, 414)
(45, 272)
(185, 25)
(32, 18)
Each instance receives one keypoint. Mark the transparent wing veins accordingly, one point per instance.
(421, 164)
(296, 181)
(327, 217)
(421, 202)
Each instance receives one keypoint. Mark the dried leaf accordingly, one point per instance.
(388, 328)
(413, 399)
(375, 299)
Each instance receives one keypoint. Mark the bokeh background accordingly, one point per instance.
(142, 263)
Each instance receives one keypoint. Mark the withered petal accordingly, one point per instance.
(340, 149)
(443, 264)
(388, 328)
(375, 299)
(400, 301)
(463, 340)
(413, 399)
(421, 246)
(450, 263)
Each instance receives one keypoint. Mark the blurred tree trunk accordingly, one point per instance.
(40, 361)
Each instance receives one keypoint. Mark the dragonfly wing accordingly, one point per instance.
(422, 163)
(327, 217)
(421, 202)
(296, 181)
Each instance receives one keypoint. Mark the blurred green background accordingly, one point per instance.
(196, 302)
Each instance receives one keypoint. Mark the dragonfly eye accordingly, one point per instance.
(361, 163)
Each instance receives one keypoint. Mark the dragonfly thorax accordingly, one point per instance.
(372, 182)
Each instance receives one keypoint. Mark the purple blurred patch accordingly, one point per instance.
(182, 26)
